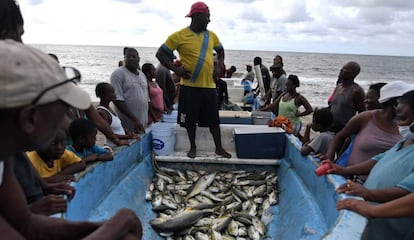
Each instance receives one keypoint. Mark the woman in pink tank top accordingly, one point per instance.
(375, 132)
(156, 108)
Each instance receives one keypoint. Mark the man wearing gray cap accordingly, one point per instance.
(279, 79)
(35, 94)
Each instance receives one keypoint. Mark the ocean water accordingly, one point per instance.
(317, 72)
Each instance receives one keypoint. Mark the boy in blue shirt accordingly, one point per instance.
(83, 133)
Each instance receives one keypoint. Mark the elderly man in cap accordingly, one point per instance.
(279, 78)
(34, 98)
(198, 95)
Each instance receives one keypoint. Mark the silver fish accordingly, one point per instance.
(157, 201)
(192, 175)
(201, 236)
(249, 190)
(223, 194)
(170, 212)
(266, 204)
(242, 195)
(211, 196)
(204, 222)
(163, 215)
(227, 237)
(272, 179)
(148, 193)
(166, 178)
(253, 210)
(250, 182)
(253, 233)
(181, 192)
(234, 205)
(160, 184)
(233, 228)
(192, 202)
(246, 205)
(168, 171)
(178, 222)
(202, 183)
(178, 198)
(179, 179)
(178, 187)
(223, 187)
(259, 226)
(270, 176)
(215, 235)
(181, 174)
(170, 204)
(259, 191)
(258, 200)
(203, 199)
(273, 199)
(203, 205)
(214, 189)
(236, 198)
(245, 221)
(220, 223)
(242, 231)
(229, 175)
(188, 237)
(237, 215)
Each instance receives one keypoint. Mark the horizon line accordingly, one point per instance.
(229, 49)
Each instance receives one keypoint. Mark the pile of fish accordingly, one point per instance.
(219, 205)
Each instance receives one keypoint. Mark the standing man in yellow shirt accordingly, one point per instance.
(198, 95)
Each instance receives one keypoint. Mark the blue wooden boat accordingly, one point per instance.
(307, 203)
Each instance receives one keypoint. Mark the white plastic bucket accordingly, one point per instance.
(163, 138)
(171, 117)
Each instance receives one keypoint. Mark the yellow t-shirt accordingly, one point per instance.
(189, 44)
(44, 171)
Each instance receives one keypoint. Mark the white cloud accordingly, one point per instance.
(352, 26)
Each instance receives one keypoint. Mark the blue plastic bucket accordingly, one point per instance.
(163, 138)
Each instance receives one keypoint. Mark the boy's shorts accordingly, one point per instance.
(198, 106)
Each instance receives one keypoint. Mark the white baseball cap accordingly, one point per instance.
(25, 72)
(394, 89)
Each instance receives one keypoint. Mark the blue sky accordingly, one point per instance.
(378, 27)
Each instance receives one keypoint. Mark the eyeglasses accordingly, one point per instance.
(73, 75)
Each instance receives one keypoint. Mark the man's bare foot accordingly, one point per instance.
(192, 153)
(223, 153)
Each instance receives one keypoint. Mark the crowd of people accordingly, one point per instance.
(49, 127)
(367, 138)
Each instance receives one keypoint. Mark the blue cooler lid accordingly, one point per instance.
(254, 129)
